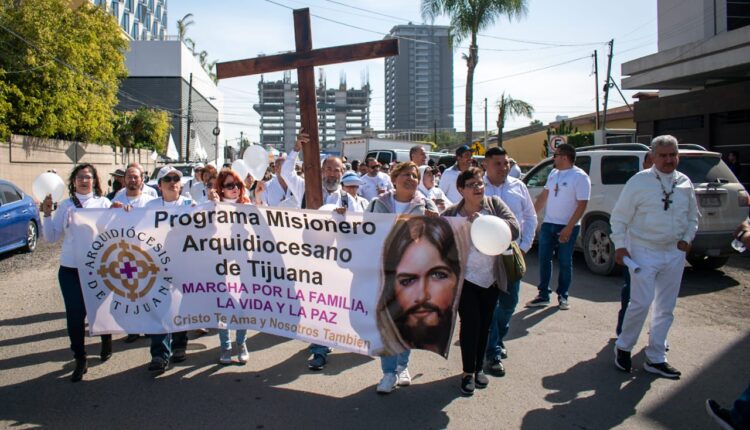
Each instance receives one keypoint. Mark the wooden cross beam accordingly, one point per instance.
(304, 59)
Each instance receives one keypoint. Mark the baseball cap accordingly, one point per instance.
(199, 166)
(166, 170)
(118, 172)
(461, 149)
(351, 178)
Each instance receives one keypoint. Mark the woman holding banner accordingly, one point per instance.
(85, 192)
(229, 188)
(483, 280)
(404, 199)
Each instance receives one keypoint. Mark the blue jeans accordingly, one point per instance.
(391, 362)
(740, 412)
(549, 240)
(226, 343)
(162, 344)
(506, 305)
(624, 300)
(316, 349)
(75, 310)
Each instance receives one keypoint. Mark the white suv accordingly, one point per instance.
(722, 201)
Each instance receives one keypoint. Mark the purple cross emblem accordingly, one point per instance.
(128, 270)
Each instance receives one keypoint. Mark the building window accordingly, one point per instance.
(125, 21)
(738, 14)
(115, 8)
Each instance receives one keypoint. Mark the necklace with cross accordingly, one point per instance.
(304, 59)
(666, 199)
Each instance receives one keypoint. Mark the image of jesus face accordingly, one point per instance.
(425, 289)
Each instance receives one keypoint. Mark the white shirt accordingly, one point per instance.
(369, 188)
(145, 189)
(137, 202)
(296, 183)
(355, 204)
(56, 224)
(448, 183)
(277, 196)
(639, 214)
(198, 191)
(160, 203)
(513, 192)
(479, 266)
(566, 188)
(515, 171)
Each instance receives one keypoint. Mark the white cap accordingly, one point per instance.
(164, 171)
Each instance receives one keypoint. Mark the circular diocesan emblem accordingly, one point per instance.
(127, 270)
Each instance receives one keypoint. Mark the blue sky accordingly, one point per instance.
(551, 33)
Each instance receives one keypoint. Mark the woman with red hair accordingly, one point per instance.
(230, 189)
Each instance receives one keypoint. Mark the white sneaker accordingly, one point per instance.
(243, 355)
(226, 356)
(404, 378)
(388, 383)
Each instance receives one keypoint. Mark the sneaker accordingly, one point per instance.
(622, 360)
(158, 365)
(722, 416)
(481, 380)
(503, 353)
(467, 385)
(318, 362)
(179, 355)
(538, 302)
(243, 356)
(495, 367)
(404, 378)
(226, 357)
(387, 384)
(563, 305)
(663, 369)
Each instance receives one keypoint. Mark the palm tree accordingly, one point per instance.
(183, 24)
(190, 43)
(508, 107)
(468, 17)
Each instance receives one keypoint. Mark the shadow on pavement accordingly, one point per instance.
(590, 395)
(32, 319)
(704, 282)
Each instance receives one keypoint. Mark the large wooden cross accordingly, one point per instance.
(304, 60)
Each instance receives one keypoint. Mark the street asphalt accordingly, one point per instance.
(560, 368)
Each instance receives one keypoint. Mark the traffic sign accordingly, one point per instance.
(75, 152)
(555, 141)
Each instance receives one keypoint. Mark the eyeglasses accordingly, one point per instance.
(84, 178)
(475, 185)
(374, 166)
(171, 178)
(231, 186)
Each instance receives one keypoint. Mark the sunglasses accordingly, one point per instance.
(231, 186)
(374, 166)
(170, 178)
(475, 185)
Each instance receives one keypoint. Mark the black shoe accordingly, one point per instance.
(663, 369)
(318, 362)
(82, 367)
(503, 353)
(179, 355)
(481, 380)
(106, 352)
(496, 368)
(722, 416)
(538, 302)
(132, 338)
(622, 360)
(158, 365)
(467, 385)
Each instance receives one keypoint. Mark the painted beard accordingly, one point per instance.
(422, 335)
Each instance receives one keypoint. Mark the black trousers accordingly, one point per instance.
(75, 310)
(475, 308)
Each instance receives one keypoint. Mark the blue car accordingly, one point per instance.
(19, 219)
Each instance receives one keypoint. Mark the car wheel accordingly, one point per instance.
(32, 236)
(707, 263)
(598, 249)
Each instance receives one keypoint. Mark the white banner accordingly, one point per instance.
(368, 283)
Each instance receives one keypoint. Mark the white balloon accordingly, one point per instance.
(490, 235)
(240, 167)
(256, 160)
(48, 183)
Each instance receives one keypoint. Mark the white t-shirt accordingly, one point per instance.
(369, 188)
(160, 203)
(479, 266)
(145, 189)
(137, 202)
(565, 189)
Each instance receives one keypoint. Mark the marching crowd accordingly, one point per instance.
(653, 224)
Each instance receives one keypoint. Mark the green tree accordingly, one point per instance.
(536, 122)
(143, 128)
(508, 107)
(59, 69)
(468, 18)
(183, 24)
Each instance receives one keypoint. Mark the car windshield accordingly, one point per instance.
(705, 168)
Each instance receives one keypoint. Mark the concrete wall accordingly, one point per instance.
(527, 149)
(24, 158)
(685, 21)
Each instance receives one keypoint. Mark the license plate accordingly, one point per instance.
(710, 201)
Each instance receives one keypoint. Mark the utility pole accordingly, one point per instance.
(596, 85)
(189, 118)
(485, 123)
(606, 86)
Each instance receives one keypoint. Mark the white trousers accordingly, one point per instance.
(656, 287)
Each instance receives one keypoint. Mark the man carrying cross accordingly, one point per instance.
(657, 217)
